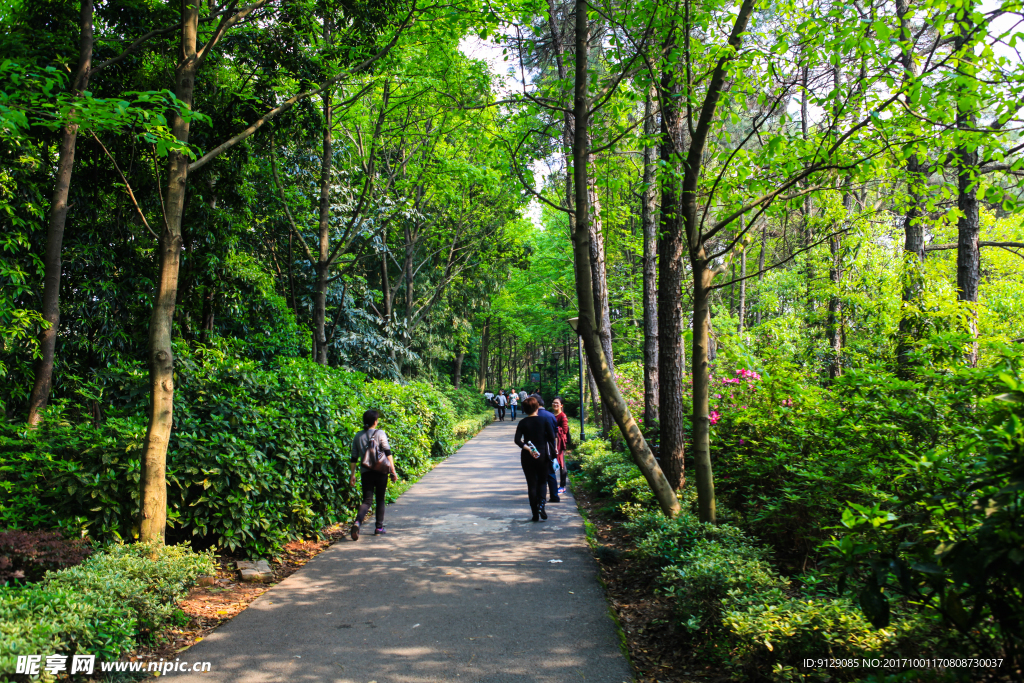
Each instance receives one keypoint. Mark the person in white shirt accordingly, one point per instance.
(502, 402)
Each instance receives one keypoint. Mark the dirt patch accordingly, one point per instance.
(658, 649)
(207, 607)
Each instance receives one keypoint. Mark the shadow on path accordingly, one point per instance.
(462, 588)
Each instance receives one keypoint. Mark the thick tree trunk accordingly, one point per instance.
(649, 223)
(588, 318)
(55, 230)
(153, 484)
(322, 266)
(671, 246)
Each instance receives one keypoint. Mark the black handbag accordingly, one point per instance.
(374, 457)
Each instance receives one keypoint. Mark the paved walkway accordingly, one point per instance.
(464, 588)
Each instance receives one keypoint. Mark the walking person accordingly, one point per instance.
(501, 401)
(522, 395)
(371, 453)
(536, 431)
(553, 421)
(513, 402)
(561, 439)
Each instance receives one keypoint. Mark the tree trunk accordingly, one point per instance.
(322, 266)
(457, 382)
(968, 255)
(291, 276)
(743, 292)
(760, 271)
(152, 481)
(55, 230)
(832, 333)
(599, 280)
(206, 326)
(702, 276)
(670, 282)
(701, 384)
(913, 229)
(649, 223)
(588, 318)
(481, 372)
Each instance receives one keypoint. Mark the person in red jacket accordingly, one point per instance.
(561, 439)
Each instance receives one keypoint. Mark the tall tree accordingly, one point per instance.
(671, 245)
(55, 227)
(649, 223)
(191, 56)
(589, 321)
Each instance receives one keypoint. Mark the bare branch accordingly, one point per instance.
(131, 195)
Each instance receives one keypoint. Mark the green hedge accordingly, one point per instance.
(104, 606)
(258, 455)
(726, 591)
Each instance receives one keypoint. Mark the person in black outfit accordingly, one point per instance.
(552, 481)
(538, 431)
(374, 483)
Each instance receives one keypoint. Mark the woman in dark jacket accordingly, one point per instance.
(539, 432)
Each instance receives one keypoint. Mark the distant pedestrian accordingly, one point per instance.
(513, 402)
(553, 421)
(489, 396)
(522, 395)
(537, 432)
(562, 438)
(371, 453)
(501, 402)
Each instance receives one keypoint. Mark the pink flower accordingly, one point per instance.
(741, 442)
(714, 417)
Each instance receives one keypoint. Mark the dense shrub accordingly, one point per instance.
(37, 619)
(612, 473)
(146, 580)
(956, 547)
(786, 450)
(771, 633)
(27, 555)
(258, 455)
(104, 606)
(724, 588)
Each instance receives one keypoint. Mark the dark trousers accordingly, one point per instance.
(536, 475)
(374, 484)
(501, 413)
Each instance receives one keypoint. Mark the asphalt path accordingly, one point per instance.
(464, 587)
